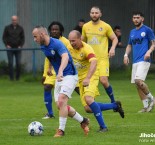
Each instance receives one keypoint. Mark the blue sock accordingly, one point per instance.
(98, 114)
(109, 91)
(48, 101)
(107, 106)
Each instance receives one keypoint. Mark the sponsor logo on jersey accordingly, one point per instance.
(52, 52)
(143, 34)
(100, 29)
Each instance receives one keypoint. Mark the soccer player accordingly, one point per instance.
(96, 33)
(139, 42)
(86, 62)
(66, 77)
(56, 30)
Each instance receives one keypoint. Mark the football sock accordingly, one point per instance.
(78, 117)
(98, 114)
(48, 101)
(62, 123)
(109, 91)
(149, 95)
(107, 106)
(145, 103)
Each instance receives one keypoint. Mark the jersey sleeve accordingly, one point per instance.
(90, 54)
(61, 48)
(109, 30)
(150, 34)
(84, 33)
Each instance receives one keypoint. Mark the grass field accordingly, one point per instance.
(22, 102)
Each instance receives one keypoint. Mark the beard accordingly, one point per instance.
(138, 24)
(95, 20)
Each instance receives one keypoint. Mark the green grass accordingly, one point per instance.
(21, 102)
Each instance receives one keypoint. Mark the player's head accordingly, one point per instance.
(81, 22)
(40, 35)
(137, 18)
(75, 39)
(56, 29)
(117, 30)
(95, 13)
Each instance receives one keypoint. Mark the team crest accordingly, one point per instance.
(81, 54)
(143, 34)
(52, 52)
(100, 29)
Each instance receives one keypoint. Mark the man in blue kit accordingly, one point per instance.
(139, 41)
(66, 77)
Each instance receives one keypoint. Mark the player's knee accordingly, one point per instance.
(89, 100)
(138, 82)
(87, 109)
(47, 87)
(104, 81)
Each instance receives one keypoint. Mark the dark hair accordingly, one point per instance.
(117, 27)
(97, 7)
(82, 20)
(56, 23)
(138, 13)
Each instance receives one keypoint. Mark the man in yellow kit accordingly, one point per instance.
(96, 33)
(86, 62)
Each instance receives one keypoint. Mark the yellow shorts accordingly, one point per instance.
(50, 80)
(91, 90)
(103, 67)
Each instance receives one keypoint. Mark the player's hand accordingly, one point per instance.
(111, 53)
(126, 60)
(49, 72)
(60, 77)
(86, 82)
(147, 55)
(43, 79)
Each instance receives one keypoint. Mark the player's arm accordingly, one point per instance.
(114, 40)
(148, 53)
(127, 52)
(64, 62)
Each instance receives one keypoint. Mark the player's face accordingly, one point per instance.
(137, 20)
(95, 14)
(38, 37)
(74, 41)
(55, 31)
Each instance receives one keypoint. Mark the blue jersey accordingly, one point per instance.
(54, 51)
(140, 39)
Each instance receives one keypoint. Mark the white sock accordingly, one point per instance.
(78, 117)
(62, 123)
(149, 95)
(145, 103)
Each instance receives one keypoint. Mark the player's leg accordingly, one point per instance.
(141, 73)
(103, 67)
(48, 85)
(62, 92)
(84, 122)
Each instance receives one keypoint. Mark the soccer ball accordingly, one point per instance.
(35, 128)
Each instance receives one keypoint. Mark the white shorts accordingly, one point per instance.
(66, 86)
(139, 71)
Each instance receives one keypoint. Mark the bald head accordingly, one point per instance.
(75, 33)
(40, 35)
(75, 39)
(14, 20)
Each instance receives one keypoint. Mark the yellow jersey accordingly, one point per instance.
(66, 42)
(97, 37)
(82, 58)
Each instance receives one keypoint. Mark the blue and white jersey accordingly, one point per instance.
(140, 39)
(54, 51)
